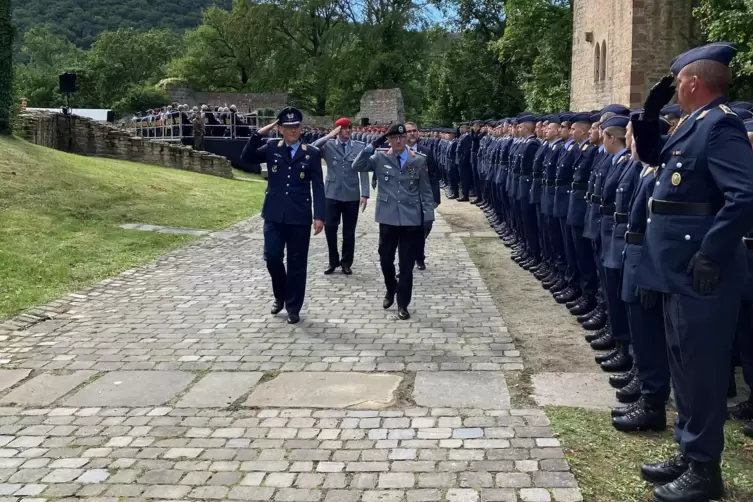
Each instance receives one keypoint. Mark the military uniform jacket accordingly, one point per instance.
(564, 179)
(404, 196)
(626, 185)
(576, 209)
(637, 214)
(465, 150)
(550, 174)
(621, 164)
(431, 165)
(342, 181)
(707, 159)
(537, 185)
(290, 183)
(526, 154)
(592, 222)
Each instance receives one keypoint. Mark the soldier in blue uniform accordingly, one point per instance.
(343, 190)
(701, 207)
(404, 203)
(464, 160)
(294, 173)
(423, 147)
(529, 250)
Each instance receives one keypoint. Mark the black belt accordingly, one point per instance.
(561, 183)
(580, 186)
(620, 218)
(607, 210)
(596, 199)
(516, 171)
(537, 176)
(681, 208)
(525, 173)
(635, 238)
(748, 241)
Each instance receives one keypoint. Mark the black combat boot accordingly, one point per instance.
(620, 411)
(631, 392)
(606, 356)
(622, 361)
(621, 380)
(595, 335)
(742, 411)
(665, 472)
(700, 482)
(604, 342)
(587, 315)
(642, 418)
(596, 322)
(558, 286)
(585, 307)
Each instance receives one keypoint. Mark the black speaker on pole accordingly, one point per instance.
(364, 121)
(110, 116)
(67, 82)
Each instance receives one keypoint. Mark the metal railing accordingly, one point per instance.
(179, 125)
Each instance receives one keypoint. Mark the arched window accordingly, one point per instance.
(597, 62)
(603, 67)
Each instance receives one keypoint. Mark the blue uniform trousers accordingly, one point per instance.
(531, 228)
(615, 306)
(543, 241)
(571, 259)
(466, 179)
(454, 180)
(650, 351)
(700, 333)
(744, 341)
(600, 296)
(554, 234)
(585, 261)
(288, 285)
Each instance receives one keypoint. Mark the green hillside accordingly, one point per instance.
(60, 217)
(80, 21)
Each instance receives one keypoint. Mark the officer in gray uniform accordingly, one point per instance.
(342, 193)
(404, 202)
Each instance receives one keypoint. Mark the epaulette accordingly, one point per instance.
(419, 154)
(727, 110)
(623, 158)
(280, 143)
(584, 147)
(359, 142)
(570, 147)
(702, 114)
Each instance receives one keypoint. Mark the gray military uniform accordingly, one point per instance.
(342, 181)
(404, 196)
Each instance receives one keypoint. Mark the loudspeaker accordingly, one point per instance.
(110, 116)
(364, 121)
(67, 82)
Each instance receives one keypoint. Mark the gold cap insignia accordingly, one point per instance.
(676, 179)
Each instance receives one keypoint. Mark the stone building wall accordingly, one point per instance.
(95, 139)
(640, 36)
(382, 106)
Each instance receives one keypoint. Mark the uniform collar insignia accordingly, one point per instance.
(280, 143)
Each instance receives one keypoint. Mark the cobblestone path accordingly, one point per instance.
(173, 381)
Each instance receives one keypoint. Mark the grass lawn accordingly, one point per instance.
(59, 217)
(607, 463)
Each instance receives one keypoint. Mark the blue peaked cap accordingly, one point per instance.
(617, 109)
(672, 111)
(742, 112)
(580, 117)
(615, 121)
(721, 52)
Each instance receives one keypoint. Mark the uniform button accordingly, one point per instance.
(679, 164)
(287, 184)
(664, 165)
(289, 168)
(648, 220)
(286, 193)
(288, 176)
(657, 183)
(687, 237)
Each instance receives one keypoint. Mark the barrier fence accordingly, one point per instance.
(179, 125)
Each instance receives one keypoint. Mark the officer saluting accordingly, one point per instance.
(404, 202)
(702, 206)
(294, 172)
(343, 191)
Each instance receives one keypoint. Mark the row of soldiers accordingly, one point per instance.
(636, 221)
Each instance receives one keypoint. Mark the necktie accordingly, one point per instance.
(290, 153)
(342, 147)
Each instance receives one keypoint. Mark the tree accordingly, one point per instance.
(6, 67)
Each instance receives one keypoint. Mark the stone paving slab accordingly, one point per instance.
(132, 388)
(46, 388)
(580, 390)
(219, 389)
(461, 389)
(326, 390)
(9, 378)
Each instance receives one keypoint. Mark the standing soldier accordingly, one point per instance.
(294, 172)
(701, 207)
(404, 203)
(342, 190)
(424, 149)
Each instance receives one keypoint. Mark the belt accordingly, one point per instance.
(537, 176)
(525, 173)
(620, 218)
(516, 171)
(561, 183)
(681, 208)
(580, 186)
(596, 199)
(748, 241)
(607, 210)
(635, 238)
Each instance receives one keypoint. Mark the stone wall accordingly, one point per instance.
(382, 106)
(641, 37)
(96, 139)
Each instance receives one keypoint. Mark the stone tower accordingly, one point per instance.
(621, 47)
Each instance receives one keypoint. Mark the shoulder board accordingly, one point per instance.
(304, 147)
(570, 147)
(554, 147)
(419, 154)
(703, 114)
(584, 147)
(623, 158)
(727, 110)
(280, 143)
(358, 142)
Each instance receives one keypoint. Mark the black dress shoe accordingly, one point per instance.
(421, 265)
(542, 273)
(567, 296)
(293, 318)
(631, 392)
(463, 199)
(347, 270)
(329, 270)
(595, 335)
(550, 281)
(587, 315)
(702, 481)
(575, 303)
(748, 429)
(596, 322)
(277, 306)
(621, 362)
(558, 286)
(665, 472)
(642, 418)
(742, 411)
(621, 380)
(585, 307)
(620, 411)
(402, 313)
(606, 356)
(604, 342)
(389, 299)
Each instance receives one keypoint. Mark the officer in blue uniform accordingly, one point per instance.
(693, 254)
(526, 151)
(294, 174)
(424, 148)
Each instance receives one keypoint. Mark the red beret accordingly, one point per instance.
(343, 122)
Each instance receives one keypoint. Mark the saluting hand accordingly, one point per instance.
(334, 132)
(265, 130)
(379, 141)
(659, 95)
(318, 226)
